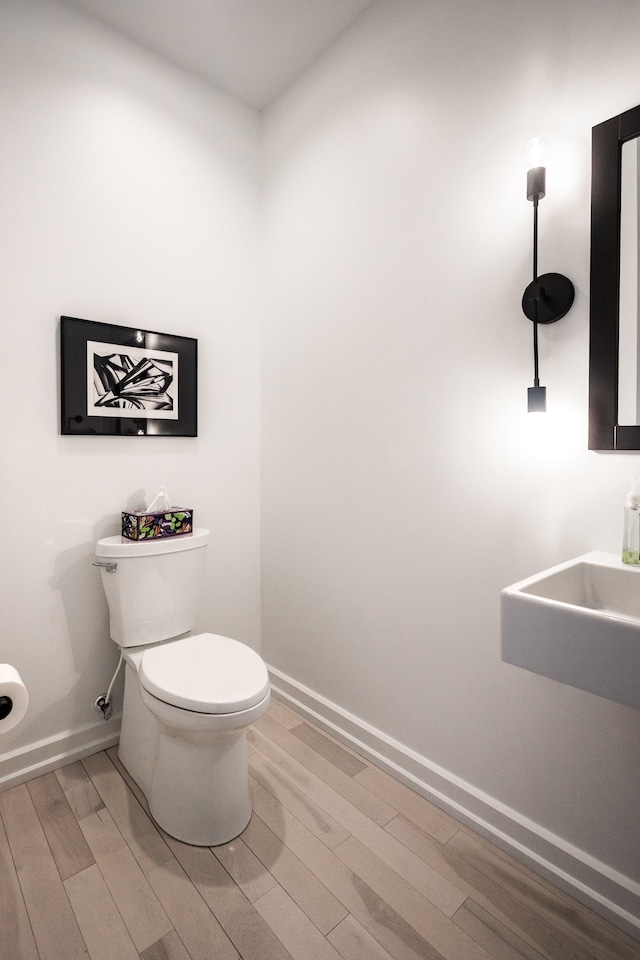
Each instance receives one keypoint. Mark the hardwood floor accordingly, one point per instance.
(339, 861)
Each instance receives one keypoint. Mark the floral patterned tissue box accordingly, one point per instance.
(150, 526)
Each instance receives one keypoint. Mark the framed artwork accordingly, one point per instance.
(123, 381)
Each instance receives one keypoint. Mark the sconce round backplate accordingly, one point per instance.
(548, 298)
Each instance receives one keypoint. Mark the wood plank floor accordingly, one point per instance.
(339, 861)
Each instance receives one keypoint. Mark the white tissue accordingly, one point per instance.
(160, 503)
(11, 686)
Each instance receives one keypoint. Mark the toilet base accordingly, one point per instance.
(200, 791)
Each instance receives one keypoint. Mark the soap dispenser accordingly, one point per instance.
(631, 534)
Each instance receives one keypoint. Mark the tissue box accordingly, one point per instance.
(149, 526)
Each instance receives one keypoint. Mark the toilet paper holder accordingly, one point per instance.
(14, 698)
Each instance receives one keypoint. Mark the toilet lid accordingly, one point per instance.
(206, 673)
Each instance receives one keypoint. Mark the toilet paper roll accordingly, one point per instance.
(14, 698)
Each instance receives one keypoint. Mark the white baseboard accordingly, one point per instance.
(48, 754)
(608, 892)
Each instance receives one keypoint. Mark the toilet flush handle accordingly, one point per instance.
(108, 565)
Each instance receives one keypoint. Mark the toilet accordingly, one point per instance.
(188, 698)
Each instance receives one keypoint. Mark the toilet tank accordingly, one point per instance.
(154, 591)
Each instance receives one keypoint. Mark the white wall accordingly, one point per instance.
(400, 491)
(128, 195)
(399, 494)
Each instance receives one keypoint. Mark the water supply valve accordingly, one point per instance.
(104, 706)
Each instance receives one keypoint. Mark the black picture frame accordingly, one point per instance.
(147, 386)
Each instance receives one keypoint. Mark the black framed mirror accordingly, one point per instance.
(614, 340)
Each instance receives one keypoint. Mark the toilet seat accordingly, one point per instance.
(205, 673)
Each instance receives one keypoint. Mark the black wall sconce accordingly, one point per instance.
(549, 297)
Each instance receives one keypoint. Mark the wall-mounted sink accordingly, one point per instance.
(578, 623)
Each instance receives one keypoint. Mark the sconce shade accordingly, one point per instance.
(536, 183)
(537, 399)
(548, 298)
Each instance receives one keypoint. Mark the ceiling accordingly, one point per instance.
(251, 48)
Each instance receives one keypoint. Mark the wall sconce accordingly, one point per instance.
(549, 297)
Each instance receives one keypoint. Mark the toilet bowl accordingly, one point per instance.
(188, 698)
(197, 696)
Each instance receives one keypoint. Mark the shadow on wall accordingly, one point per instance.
(93, 655)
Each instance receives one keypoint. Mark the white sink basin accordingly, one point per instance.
(578, 623)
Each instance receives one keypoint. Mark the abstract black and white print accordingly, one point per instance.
(127, 381)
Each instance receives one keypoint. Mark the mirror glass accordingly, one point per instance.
(628, 339)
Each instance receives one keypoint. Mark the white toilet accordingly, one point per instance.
(188, 700)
